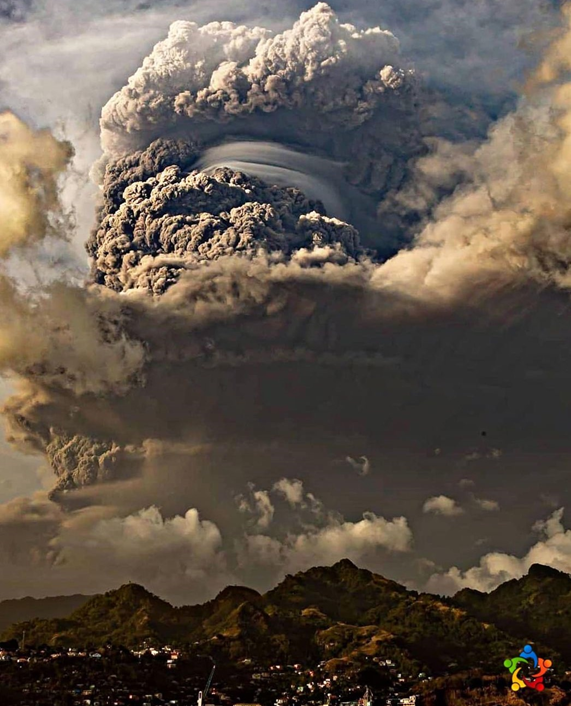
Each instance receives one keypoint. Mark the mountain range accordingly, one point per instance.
(20, 609)
(537, 606)
(339, 614)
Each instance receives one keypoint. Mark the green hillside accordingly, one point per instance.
(368, 615)
(126, 616)
(130, 616)
(340, 614)
(535, 607)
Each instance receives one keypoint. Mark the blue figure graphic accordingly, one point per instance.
(528, 653)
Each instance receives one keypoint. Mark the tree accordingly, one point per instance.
(374, 678)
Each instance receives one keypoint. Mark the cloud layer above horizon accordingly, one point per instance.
(324, 316)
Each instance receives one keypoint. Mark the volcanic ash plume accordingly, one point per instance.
(240, 291)
(174, 221)
(324, 73)
(322, 87)
(66, 341)
(236, 327)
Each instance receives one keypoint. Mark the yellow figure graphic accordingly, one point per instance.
(517, 683)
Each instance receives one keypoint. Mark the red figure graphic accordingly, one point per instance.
(536, 684)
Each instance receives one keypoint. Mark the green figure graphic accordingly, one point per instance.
(511, 664)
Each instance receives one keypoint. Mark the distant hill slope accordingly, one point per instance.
(327, 613)
(355, 613)
(536, 606)
(20, 609)
(132, 615)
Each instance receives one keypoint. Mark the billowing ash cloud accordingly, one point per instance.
(329, 73)
(30, 163)
(235, 329)
(325, 87)
(175, 220)
(79, 460)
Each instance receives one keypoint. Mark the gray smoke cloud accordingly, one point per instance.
(234, 328)
(343, 95)
(176, 220)
(222, 71)
(79, 461)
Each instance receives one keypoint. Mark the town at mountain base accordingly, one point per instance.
(340, 615)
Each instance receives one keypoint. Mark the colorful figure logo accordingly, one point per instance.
(527, 657)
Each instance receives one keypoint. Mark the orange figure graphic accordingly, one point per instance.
(543, 665)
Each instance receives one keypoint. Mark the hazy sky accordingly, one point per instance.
(236, 383)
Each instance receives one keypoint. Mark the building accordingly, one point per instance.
(402, 700)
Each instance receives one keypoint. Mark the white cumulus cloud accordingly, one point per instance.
(442, 505)
(553, 549)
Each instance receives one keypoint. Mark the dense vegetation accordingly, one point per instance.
(326, 613)
(537, 606)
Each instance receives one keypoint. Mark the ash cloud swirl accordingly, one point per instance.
(175, 220)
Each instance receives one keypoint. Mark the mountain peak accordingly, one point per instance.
(344, 564)
(541, 571)
(243, 592)
(128, 597)
(132, 589)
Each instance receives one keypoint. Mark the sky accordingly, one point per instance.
(283, 283)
